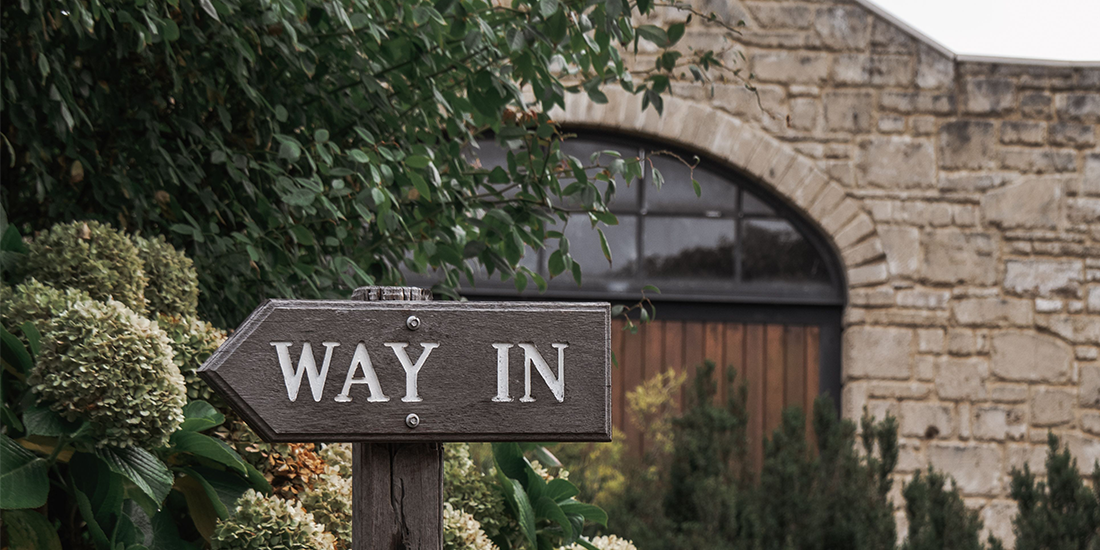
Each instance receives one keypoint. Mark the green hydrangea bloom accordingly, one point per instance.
(193, 341)
(338, 456)
(269, 522)
(92, 257)
(103, 363)
(172, 285)
(329, 500)
(35, 303)
(466, 488)
(462, 532)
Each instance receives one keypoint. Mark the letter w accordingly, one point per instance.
(306, 363)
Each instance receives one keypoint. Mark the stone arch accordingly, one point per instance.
(774, 164)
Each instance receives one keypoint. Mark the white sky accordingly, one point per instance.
(1067, 30)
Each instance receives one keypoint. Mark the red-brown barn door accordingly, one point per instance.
(779, 362)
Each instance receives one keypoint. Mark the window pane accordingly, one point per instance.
(678, 194)
(752, 205)
(689, 247)
(626, 197)
(775, 251)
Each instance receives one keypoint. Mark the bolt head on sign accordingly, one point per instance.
(329, 370)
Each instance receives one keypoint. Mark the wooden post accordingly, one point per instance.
(397, 488)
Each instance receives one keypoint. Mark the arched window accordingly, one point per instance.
(744, 279)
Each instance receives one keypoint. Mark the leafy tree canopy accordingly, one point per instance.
(299, 148)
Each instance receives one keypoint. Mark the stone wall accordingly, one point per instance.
(964, 198)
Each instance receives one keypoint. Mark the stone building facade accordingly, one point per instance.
(963, 195)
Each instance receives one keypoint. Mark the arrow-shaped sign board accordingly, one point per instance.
(307, 370)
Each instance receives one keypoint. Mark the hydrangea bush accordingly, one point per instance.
(103, 363)
(172, 285)
(35, 303)
(260, 521)
(193, 341)
(92, 257)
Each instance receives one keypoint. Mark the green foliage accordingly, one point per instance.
(103, 363)
(1059, 513)
(91, 257)
(938, 518)
(329, 500)
(302, 149)
(269, 522)
(172, 286)
(462, 532)
(193, 341)
(466, 488)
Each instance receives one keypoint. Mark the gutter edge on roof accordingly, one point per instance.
(964, 58)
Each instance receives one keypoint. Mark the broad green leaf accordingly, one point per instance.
(40, 420)
(320, 136)
(548, 7)
(560, 489)
(417, 161)
(102, 487)
(517, 500)
(358, 156)
(698, 189)
(546, 508)
(675, 32)
(30, 530)
(209, 448)
(24, 481)
(14, 352)
(200, 416)
(589, 512)
(509, 459)
(654, 34)
(144, 470)
(280, 113)
(556, 263)
(651, 288)
(34, 338)
(604, 246)
(421, 186)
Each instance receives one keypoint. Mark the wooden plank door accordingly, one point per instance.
(779, 363)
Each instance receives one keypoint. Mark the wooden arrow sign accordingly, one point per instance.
(305, 370)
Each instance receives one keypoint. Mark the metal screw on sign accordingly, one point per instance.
(413, 322)
(412, 420)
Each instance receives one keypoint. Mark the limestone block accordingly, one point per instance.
(927, 420)
(952, 256)
(870, 274)
(1000, 422)
(961, 378)
(861, 253)
(873, 70)
(1031, 357)
(1073, 135)
(899, 390)
(891, 124)
(976, 181)
(902, 247)
(737, 100)
(1083, 211)
(1044, 277)
(843, 27)
(995, 312)
(878, 352)
(849, 111)
(962, 341)
(924, 299)
(1094, 299)
(917, 102)
(1085, 449)
(853, 397)
(990, 95)
(1090, 423)
(997, 519)
(1036, 105)
(1080, 329)
(804, 113)
(1022, 132)
(1032, 202)
(926, 368)
(976, 467)
(1088, 389)
(910, 456)
(770, 15)
(923, 125)
(1086, 353)
(934, 70)
(859, 228)
(1032, 456)
(1052, 407)
(1038, 161)
(1091, 183)
(1008, 393)
(930, 340)
(967, 144)
(896, 162)
(1079, 107)
(785, 67)
(1043, 305)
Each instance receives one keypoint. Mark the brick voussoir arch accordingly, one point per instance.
(773, 163)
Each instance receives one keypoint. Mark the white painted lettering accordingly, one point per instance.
(370, 378)
(502, 373)
(557, 385)
(307, 364)
(411, 370)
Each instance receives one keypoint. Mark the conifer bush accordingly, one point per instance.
(90, 256)
(1060, 513)
(103, 363)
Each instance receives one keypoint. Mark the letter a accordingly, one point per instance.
(411, 370)
(370, 378)
(557, 385)
(307, 364)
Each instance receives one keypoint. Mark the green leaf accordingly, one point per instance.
(359, 156)
(208, 7)
(320, 136)
(144, 470)
(280, 113)
(417, 161)
(520, 505)
(421, 186)
(651, 288)
(556, 263)
(589, 512)
(560, 489)
(548, 7)
(698, 189)
(171, 30)
(30, 530)
(509, 459)
(290, 151)
(14, 352)
(199, 416)
(675, 32)
(103, 488)
(41, 420)
(24, 481)
(654, 34)
(209, 448)
(545, 508)
(604, 246)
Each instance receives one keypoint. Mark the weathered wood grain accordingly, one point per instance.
(456, 384)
